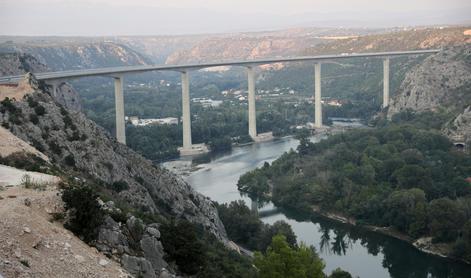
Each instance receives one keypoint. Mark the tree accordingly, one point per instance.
(282, 261)
(407, 211)
(339, 273)
(181, 244)
(85, 214)
(446, 220)
(304, 144)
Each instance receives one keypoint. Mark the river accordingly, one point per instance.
(364, 254)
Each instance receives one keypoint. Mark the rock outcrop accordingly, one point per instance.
(460, 127)
(441, 81)
(20, 63)
(136, 245)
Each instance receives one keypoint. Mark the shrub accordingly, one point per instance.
(34, 119)
(85, 213)
(119, 186)
(26, 161)
(70, 160)
(24, 262)
(182, 246)
(55, 148)
(29, 183)
(68, 122)
(32, 103)
(74, 137)
(40, 110)
(36, 144)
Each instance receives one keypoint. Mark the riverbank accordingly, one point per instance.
(423, 244)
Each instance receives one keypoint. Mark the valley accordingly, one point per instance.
(403, 169)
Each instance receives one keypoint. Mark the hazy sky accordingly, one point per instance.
(156, 17)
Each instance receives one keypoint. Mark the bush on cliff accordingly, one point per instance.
(85, 213)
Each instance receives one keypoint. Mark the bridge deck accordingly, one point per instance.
(71, 74)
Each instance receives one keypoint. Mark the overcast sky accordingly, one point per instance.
(158, 17)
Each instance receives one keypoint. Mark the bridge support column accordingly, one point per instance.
(55, 85)
(119, 104)
(251, 100)
(385, 82)
(317, 96)
(186, 116)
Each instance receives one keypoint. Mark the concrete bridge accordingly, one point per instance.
(54, 79)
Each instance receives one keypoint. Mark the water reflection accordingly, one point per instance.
(362, 253)
(399, 258)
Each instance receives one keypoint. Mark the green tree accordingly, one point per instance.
(85, 214)
(283, 261)
(339, 273)
(182, 245)
(446, 220)
(407, 211)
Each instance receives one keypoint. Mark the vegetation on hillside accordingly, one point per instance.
(244, 227)
(401, 175)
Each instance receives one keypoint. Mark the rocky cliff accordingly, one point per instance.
(79, 147)
(18, 63)
(64, 55)
(21, 63)
(442, 82)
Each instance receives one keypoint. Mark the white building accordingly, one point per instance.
(145, 122)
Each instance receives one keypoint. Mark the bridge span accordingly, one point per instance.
(54, 79)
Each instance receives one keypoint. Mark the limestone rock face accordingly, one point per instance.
(67, 97)
(460, 126)
(135, 244)
(17, 63)
(20, 63)
(441, 81)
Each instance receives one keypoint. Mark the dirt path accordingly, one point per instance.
(13, 176)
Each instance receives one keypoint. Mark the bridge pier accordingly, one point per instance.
(186, 116)
(317, 96)
(251, 101)
(55, 85)
(119, 106)
(386, 82)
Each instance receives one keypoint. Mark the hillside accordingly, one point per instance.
(416, 38)
(20, 63)
(33, 246)
(254, 45)
(63, 55)
(78, 148)
(442, 84)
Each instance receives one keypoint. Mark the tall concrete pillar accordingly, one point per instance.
(186, 116)
(55, 85)
(119, 103)
(317, 96)
(251, 100)
(385, 82)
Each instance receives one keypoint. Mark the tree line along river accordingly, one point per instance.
(363, 253)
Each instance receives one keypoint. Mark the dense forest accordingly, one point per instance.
(402, 174)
